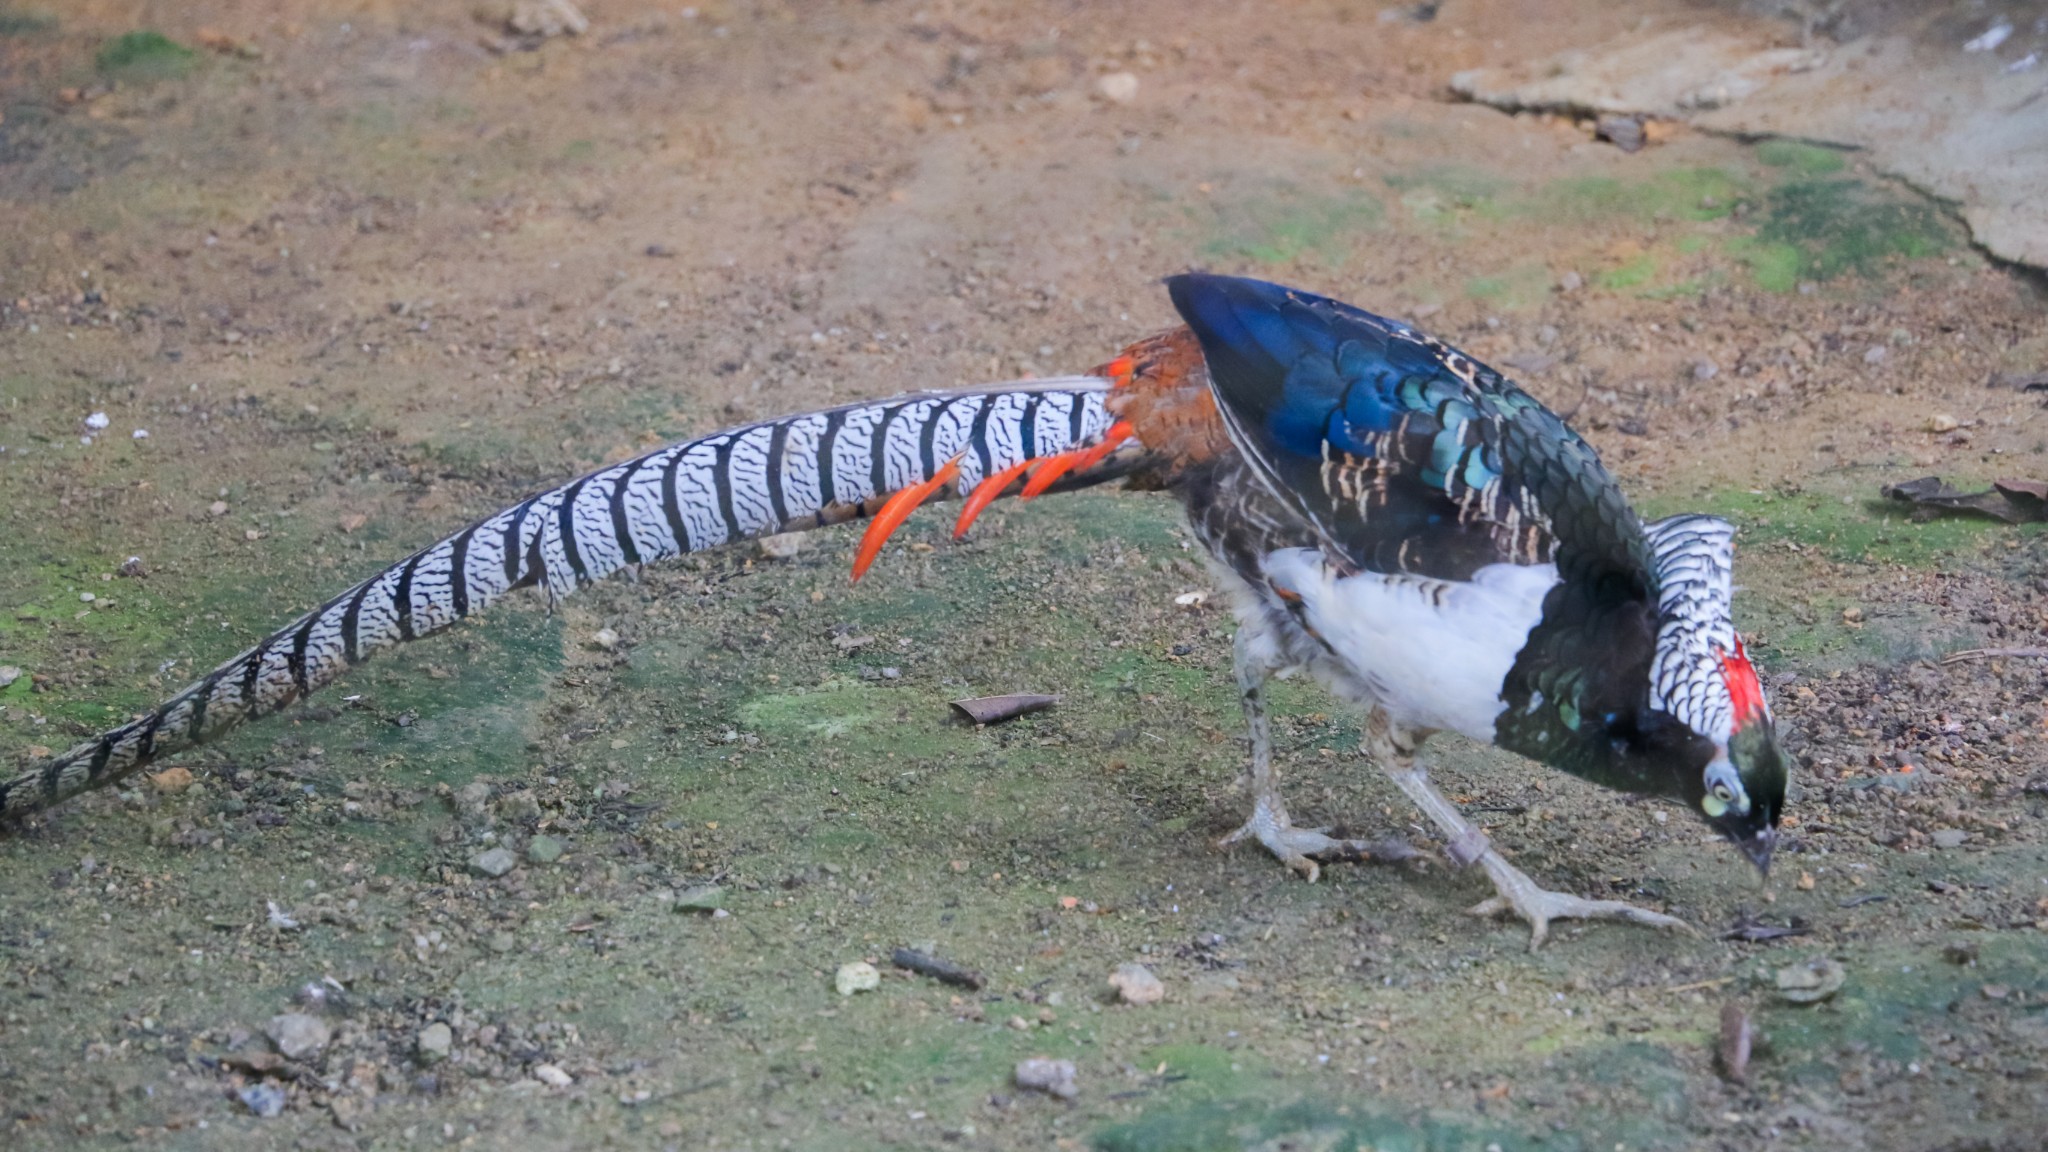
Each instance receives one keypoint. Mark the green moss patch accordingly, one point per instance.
(144, 55)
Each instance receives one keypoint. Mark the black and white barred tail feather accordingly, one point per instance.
(785, 475)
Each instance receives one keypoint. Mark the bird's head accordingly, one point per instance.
(1715, 746)
(1741, 790)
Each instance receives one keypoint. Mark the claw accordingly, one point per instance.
(895, 512)
(985, 494)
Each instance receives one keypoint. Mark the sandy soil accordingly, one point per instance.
(364, 272)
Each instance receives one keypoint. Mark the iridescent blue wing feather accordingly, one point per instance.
(1405, 454)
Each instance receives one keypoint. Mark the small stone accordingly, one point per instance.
(434, 1043)
(544, 849)
(702, 898)
(783, 545)
(1052, 1077)
(171, 781)
(501, 942)
(8, 674)
(1943, 422)
(97, 421)
(1950, 837)
(297, 1035)
(1118, 87)
(859, 976)
(1570, 282)
(265, 1100)
(1704, 369)
(1136, 984)
(520, 805)
(493, 862)
(1875, 354)
(218, 507)
(86, 597)
(1852, 615)
(552, 1076)
(1811, 982)
(1624, 132)
(605, 638)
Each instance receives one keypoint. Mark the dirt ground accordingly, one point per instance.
(366, 271)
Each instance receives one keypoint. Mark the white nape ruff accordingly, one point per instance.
(1433, 653)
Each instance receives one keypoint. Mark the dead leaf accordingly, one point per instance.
(2013, 501)
(172, 780)
(996, 709)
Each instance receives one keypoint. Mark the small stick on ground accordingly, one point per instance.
(1995, 654)
(944, 971)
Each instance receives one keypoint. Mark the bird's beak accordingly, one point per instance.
(1759, 848)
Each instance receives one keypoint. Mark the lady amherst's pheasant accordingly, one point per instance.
(1387, 513)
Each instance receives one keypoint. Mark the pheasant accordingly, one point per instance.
(1387, 513)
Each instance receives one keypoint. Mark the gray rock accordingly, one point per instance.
(1950, 838)
(297, 1035)
(544, 849)
(434, 1043)
(493, 862)
(1052, 1077)
(265, 1100)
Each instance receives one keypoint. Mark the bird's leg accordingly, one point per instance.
(1517, 894)
(1298, 848)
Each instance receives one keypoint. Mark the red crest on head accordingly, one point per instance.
(1745, 691)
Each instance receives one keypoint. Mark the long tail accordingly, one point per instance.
(799, 472)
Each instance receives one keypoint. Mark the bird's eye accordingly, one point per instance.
(1724, 794)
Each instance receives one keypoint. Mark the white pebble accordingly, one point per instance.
(1118, 87)
(140, 434)
(552, 1076)
(859, 976)
(605, 638)
(97, 421)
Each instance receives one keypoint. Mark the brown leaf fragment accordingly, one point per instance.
(996, 709)
(2013, 501)
(1738, 1038)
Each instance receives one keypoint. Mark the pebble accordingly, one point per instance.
(1570, 282)
(544, 849)
(1943, 422)
(1052, 1077)
(605, 638)
(782, 546)
(1811, 982)
(265, 1100)
(1950, 837)
(218, 507)
(494, 862)
(1136, 984)
(97, 421)
(434, 1043)
(297, 1035)
(8, 674)
(171, 781)
(552, 1076)
(859, 976)
(702, 898)
(1118, 87)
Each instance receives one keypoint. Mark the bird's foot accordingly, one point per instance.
(1302, 848)
(1521, 896)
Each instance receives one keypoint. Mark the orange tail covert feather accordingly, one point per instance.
(895, 512)
(986, 493)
